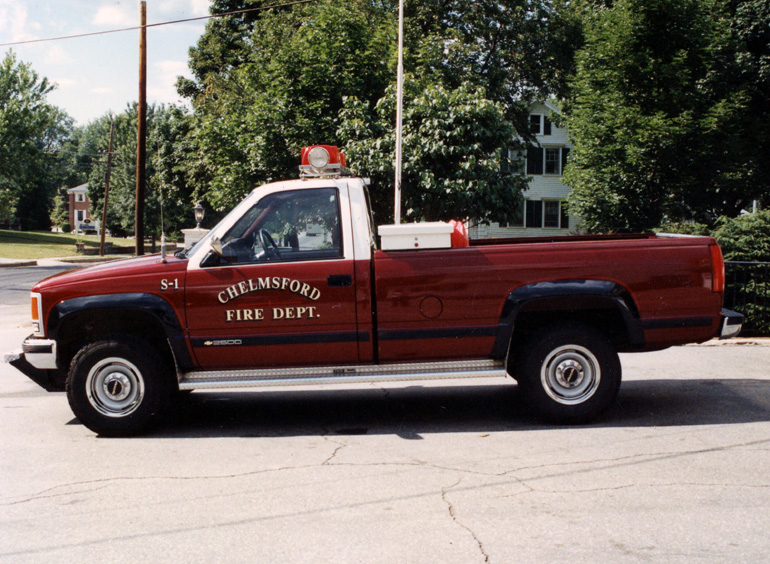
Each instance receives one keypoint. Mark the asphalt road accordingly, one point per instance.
(16, 282)
(449, 472)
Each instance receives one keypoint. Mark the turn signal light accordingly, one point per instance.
(37, 312)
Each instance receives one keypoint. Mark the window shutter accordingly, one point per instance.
(534, 160)
(534, 124)
(564, 153)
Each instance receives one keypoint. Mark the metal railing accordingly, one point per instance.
(747, 291)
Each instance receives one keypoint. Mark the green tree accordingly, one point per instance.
(267, 83)
(32, 133)
(60, 212)
(453, 165)
(268, 87)
(668, 112)
(166, 127)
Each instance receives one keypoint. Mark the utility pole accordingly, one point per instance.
(141, 131)
(106, 189)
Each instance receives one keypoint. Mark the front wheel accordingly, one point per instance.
(117, 387)
(570, 374)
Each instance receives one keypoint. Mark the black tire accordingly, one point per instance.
(569, 374)
(118, 387)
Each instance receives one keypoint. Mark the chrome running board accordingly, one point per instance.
(341, 374)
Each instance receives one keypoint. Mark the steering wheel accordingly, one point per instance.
(268, 244)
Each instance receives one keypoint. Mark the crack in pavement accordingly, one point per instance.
(453, 515)
(525, 482)
(340, 446)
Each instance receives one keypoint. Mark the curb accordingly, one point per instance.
(14, 263)
(736, 342)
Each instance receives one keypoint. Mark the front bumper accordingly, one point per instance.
(732, 323)
(37, 361)
(40, 353)
(43, 378)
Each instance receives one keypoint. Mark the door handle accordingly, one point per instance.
(339, 280)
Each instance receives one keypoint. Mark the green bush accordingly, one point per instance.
(684, 227)
(746, 237)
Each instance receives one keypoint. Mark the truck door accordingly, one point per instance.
(281, 290)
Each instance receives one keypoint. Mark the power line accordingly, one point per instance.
(260, 8)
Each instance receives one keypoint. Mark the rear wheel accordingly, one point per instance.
(118, 386)
(570, 374)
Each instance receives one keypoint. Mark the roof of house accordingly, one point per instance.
(81, 188)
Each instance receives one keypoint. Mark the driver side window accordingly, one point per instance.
(297, 225)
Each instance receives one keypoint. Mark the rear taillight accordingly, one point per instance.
(717, 270)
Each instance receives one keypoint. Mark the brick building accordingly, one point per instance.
(79, 204)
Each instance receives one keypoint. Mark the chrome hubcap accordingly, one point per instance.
(570, 374)
(115, 387)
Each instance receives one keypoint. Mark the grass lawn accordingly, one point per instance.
(42, 244)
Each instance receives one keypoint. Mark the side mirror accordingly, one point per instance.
(216, 245)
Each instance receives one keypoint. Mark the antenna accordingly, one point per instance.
(162, 222)
(399, 106)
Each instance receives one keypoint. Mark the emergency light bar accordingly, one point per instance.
(322, 161)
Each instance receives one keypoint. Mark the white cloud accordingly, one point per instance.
(172, 68)
(100, 90)
(64, 82)
(116, 15)
(57, 55)
(200, 7)
(161, 84)
(13, 22)
(183, 8)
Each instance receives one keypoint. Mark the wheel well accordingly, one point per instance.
(607, 320)
(79, 329)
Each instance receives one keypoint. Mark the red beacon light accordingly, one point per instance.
(322, 161)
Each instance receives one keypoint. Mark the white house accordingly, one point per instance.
(544, 212)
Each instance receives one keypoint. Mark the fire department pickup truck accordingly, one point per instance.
(294, 287)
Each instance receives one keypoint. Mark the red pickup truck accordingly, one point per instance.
(293, 287)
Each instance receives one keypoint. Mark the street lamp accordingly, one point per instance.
(199, 213)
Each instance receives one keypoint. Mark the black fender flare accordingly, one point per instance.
(558, 295)
(151, 304)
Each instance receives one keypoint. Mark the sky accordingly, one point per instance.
(98, 74)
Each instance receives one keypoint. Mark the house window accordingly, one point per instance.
(80, 216)
(552, 160)
(80, 197)
(534, 213)
(534, 124)
(546, 160)
(546, 126)
(550, 214)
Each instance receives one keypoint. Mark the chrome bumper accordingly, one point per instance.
(40, 353)
(39, 364)
(731, 325)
